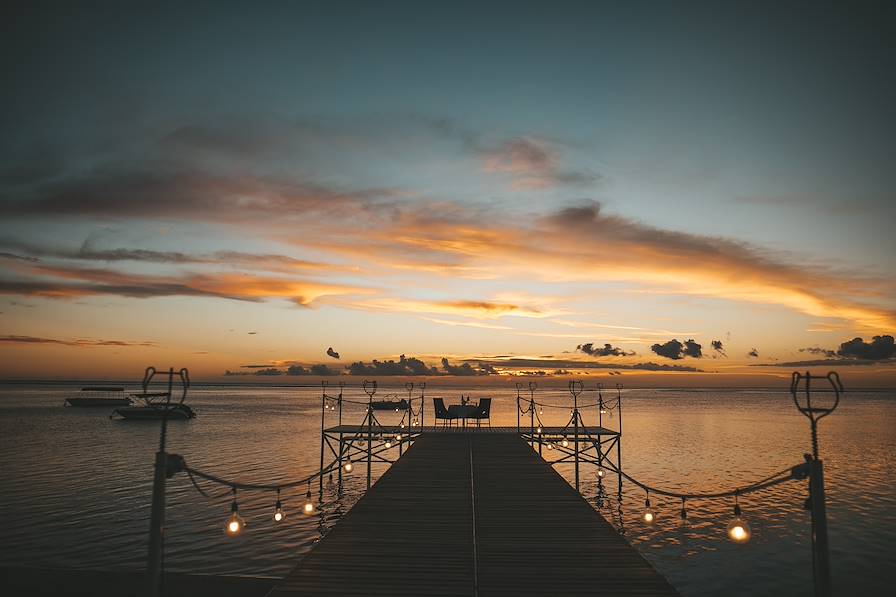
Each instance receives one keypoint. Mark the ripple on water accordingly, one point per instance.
(76, 485)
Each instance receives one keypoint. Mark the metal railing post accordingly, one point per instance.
(157, 512)
(821, 555)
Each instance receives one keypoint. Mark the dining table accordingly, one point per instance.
(463, 411)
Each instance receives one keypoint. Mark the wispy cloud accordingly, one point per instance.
(68, 282)
(531, 164)
(79, 342)
(471, 324)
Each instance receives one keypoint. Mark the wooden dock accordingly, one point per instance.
(477, 513)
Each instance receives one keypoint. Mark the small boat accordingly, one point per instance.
(389, 404)
(95, 396)
(157, 405)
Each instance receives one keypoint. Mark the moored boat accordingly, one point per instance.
(389, 404)
(157, 405)
(155, 411)
(99, 396)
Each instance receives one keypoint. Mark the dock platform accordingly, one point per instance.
(474, 512)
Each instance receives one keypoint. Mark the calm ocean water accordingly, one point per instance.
(75, 486)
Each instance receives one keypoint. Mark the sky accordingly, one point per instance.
(681, 192)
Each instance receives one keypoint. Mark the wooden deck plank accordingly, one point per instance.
(413, 532)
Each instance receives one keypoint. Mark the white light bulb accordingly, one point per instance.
(565, 442)
(234, 525)
(739, 530)
(388, 444)
(348, 466)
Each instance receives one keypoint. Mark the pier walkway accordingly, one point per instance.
(476, 514)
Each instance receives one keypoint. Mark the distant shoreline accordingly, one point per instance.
(433, 383)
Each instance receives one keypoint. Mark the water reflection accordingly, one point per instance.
(76, 485)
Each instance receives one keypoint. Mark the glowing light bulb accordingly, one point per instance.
(348, 466)
(278, 512)
(738, 529)
(235, 523)
(388, 444)
(540, 411)
(600, 472)
(398, 437)
(308, 506)
(402, 425)
(550, 445)
(565, 442)
(538, 430)
(648, 516)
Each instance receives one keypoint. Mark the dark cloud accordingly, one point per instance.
(269, 371)
(5, 255)
(404, 366)
(821, 351)
(717, 346)
(77, 342)
(466, 369)
(753, 353)
(880, 348)
(319, 370)
(89, 252)
(333, 353)
(673, 349)
(607, 350)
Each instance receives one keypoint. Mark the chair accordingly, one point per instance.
(483, 410)
(441, 412)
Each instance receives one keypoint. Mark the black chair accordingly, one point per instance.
(441, 412)
(483, 410)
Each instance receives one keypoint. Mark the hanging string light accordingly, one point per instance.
(278, 509)
(738, 528)
(308, 506)
(538, 431)
(600, 472)
(550, 445)
(564, 442)
(648, 516)
(348, 466)
(235, 523)
(398, 437)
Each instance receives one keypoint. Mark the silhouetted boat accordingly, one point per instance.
(389, 404)
(154, 407)
(96, 396)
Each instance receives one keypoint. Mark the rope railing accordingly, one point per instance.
(255, 486)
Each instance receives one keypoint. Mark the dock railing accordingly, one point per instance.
(373, 442)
